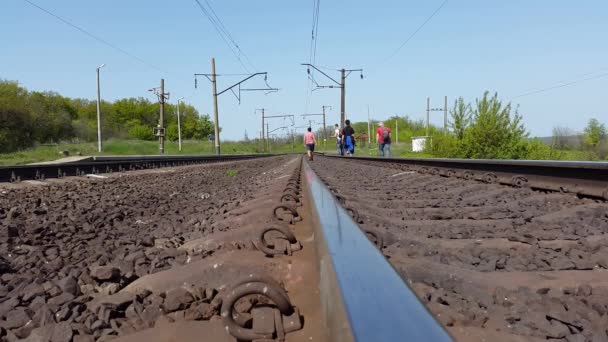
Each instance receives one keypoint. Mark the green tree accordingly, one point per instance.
(15, 118)
(594, 133)
(461, 117)
(496, 131)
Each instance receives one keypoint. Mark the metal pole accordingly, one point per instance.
(369, 132)
(396, 131)
(99, 146)
(263, 137)
(179, 127)
(445, 114)
(216, 126)
(267, 138)
(343, 99)
(428, 108)
(162, 116)
(324, 131)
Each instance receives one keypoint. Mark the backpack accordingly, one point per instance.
(385, 135)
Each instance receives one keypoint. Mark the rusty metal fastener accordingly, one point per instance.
(490, 177)
(375, 237)
(289, 196)
(353, 213)
(519, 181)
(269, 248)
(468, 175)
(253, 285)
(340, 199)
(291, 210)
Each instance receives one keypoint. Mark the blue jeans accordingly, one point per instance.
(339, 147)
(384, 150)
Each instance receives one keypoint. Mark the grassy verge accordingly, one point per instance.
(191, 147)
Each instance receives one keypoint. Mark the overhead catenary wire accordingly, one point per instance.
(416, 31)
(95, 37)
(561, 85)
(225, 30)
(312, 50)
(222, 31)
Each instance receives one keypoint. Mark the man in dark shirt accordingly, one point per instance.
(348, 139)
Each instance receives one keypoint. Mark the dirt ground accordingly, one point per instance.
(491, 262)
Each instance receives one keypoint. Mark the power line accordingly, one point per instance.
(562, 85)
(101, 40)
(221, 30)
(225, 30)
(313, 50)
(416, 31)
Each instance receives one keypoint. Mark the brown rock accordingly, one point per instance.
(177, 299)
(105, 273)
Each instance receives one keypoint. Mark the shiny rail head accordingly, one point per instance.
(371, 296)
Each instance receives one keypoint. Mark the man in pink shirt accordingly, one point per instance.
(309, 142)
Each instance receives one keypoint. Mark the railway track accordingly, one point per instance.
(227, 251)
(260, 249)
(492, 259)
(98, 165)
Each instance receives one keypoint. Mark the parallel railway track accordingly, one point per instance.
(492, 259)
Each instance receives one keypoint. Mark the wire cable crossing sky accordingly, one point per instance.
(526, 51)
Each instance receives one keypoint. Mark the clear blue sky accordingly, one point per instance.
(471, 45)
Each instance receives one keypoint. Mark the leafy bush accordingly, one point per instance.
(171, 132)
(444, 146)
(140, 132)
(494, 132)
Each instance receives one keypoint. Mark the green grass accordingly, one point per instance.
(192, 147)
(232, 173)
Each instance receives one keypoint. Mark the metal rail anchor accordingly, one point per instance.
(375, 237)
(285, 318)
(295, 217)
(286, 243)
(290, 197)
(14, 178)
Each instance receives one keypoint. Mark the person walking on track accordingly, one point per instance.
(309, 142)
(383, 139)
(348, 139)
(338, 136)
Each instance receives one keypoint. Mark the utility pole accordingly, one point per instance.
(159, 131)
(213, 79)
(179, 126)
(262, 136)
(396, 131)
(343, 97)
(161, 121)
(216, 125)
(99, 146)
(267, 138)
(445, 114)
(325, 129)
(428, 109)
(369, 132)
(342, 85)
(444, 110)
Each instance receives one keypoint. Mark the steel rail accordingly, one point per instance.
(577, 177)
(97, 165)
(363, 298)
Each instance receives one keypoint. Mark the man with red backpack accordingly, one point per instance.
(383, 139)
